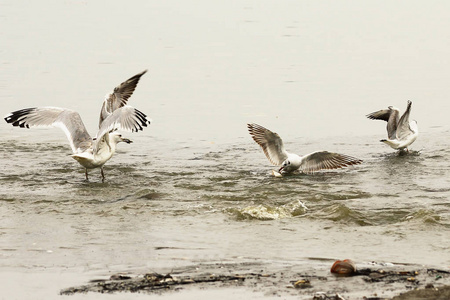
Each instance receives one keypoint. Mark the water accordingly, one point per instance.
(193, 187)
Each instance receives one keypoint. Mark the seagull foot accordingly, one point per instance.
(103, 175)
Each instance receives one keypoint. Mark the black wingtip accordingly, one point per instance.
(370, 116)
(408, 106)
(142, 119)
(254, 126)
(251, 128)
(139, 75)
(16, 118)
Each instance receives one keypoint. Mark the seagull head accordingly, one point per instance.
(284, 165)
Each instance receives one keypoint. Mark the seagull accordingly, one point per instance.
(401, 132)
(90, 152)
(273, 148)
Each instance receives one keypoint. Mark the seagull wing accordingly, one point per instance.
(125, 118)
(391, 116)
(68, 120)
(270, 142)
(119, 97)
(404, 130)
(324, 160)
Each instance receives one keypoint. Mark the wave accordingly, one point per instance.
(265, 212)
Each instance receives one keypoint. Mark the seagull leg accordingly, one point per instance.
(103, 174)
(86, 173)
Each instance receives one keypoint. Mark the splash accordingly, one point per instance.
(270, 212)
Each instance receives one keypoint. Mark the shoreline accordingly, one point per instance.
(375, 281)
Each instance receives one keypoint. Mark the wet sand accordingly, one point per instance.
(371, 281)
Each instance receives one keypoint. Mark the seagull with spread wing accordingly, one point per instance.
(90, 152)
(401, 132)
(273, 148)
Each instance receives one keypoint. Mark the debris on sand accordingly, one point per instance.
(379, 282)
(151, 282)
(344, 267)
(430, 292)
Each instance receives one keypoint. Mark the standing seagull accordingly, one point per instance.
(90, 152)
(273, 148)
(401, 132)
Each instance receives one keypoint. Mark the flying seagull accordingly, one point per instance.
(273, 148)
(90, 152)
(401, 132)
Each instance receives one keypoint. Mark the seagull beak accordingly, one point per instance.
(127, 141)
(281, 169)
